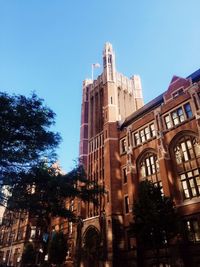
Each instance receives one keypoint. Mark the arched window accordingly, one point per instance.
(149, 168)
(186, 153)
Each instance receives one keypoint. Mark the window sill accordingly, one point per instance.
(147, 141)
(191, 201)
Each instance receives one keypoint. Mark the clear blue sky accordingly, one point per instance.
(48, 46)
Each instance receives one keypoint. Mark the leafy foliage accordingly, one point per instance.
(29, 254)
(25, 136)
(58, 248)
(155, 217)
(43, 192)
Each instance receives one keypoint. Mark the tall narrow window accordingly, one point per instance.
(123, 145)
(152, 130)
(188, 110)
(136, 139)
(147, 133)
(124, 174)
(168, 122)
(126, 204)
(178, 116)
(142, 136)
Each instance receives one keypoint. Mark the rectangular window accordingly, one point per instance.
(190, 183)
(33, 232)
(167, 122)
(148, 167)
(193, 230)
(177, 93)
(152, 130)
(124, 174)
(147, 133)
(188, 110)
(136, 139)
(142, 136)
(175, 118)
(123, 145)
(126, 203)
(178, 116)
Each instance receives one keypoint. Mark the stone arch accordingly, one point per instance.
(144, 152)
(148, 166)
(181, 134)
(91, 247)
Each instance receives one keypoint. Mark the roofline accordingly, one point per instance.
(143, 110)
(195, 77)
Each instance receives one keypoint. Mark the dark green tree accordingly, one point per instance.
(29, 255)
(26, 138)
(156, 220)
(57, 249)
(43, 191)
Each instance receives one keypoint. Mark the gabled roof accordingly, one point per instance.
(174, 84)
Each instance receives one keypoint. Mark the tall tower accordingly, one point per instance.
(107, 101)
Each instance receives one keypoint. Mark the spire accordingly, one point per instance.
(109, 62)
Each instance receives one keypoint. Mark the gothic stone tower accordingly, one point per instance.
(106, 102)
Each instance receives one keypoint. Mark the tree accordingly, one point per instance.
(43, 191)
(29, 255)
(58, 248)
(156, 220)
(25, 136)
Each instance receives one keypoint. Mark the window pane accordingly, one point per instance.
(149, 168)
(143, 171)
(188, 110)
(124, 175)
(136, 139)
(167, 122)
(123, 145)
(190, 149)
(183, 176)
(126, 200)
(142, 136)
(180, 114)
(152, 128)
(198, 181)
(186, 192)
(147, 133)
(185, 154)
(196, 148)
(175, 118)
(184, 183)
(178, 155)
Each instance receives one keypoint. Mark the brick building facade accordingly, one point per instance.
(123, 142)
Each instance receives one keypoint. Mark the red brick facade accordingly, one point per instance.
(158, 141)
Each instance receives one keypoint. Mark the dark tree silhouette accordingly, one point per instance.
(26, 138)
(57, 250)
(156, 220)
(29, 255)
